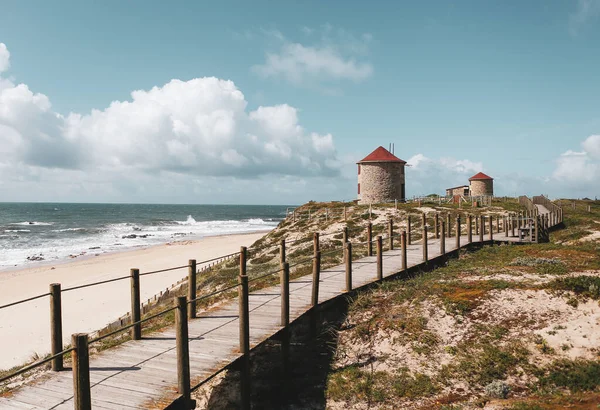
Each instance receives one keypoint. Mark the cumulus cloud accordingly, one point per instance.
(428, 175)
(335, 55)
(592, 146)
(4, 58)
(196, 127)
(580, 168)
(295, 62)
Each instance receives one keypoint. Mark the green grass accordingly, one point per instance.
(353, 384)
(576, 375)
(586, 286)
(484, 364)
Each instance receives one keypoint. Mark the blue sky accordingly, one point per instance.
(510, 88)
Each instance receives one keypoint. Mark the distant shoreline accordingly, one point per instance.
(94, 254)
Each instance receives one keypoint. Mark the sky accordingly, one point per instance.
(274, 102)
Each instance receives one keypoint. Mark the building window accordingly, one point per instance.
(358, 169)
(359, 188)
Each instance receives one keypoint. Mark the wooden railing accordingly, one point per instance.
(528, 204)
(185, 307)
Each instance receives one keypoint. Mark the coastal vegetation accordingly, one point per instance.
(512, 327)
(499, 327)
(502, 327)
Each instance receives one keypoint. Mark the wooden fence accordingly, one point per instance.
(185, 307)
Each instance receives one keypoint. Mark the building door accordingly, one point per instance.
(402, 193)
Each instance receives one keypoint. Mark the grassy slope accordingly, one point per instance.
(489, 330)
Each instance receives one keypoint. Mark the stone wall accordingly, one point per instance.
(380, 182)
(482, 187)
(456, 191)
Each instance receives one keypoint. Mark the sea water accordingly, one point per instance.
(31, 233)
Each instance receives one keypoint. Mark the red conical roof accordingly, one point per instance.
(381, 155)
(480, 175)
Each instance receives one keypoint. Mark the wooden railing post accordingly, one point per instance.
(469, 228)
(391, 233)
(244, 319)
(424, 243)
(512, 224)
(183, 350)
(348, 266)
(403, 245)
(443, 238)
(285, 316)
(505, 225)
(192, 288)
(345, 235)
(82, 396)
(56, 326)
(448, 225)
(136, 330)
(282, 253)
(476, 225)
(379, 257)
(481, 228)
(536, 221)
(562, 215)
(369, 239)
(491, 227)
(315, 243)
(316, 277)
(436, 223)
(408, 229)
(284, 280)
(497, 223)
(458, 232)
(531, 228)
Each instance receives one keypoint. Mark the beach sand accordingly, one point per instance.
(25, 328)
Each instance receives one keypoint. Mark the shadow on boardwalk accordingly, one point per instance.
(310, 362)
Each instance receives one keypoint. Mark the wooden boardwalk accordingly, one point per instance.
(143, 374)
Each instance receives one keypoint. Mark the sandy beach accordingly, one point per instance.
(25, 328)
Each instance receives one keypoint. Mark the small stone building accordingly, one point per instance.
(381, 178)
(481, 185)
(462, 190)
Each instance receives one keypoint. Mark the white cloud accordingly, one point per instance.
(579, 169)
(427, 175)
(4, 58)
(586, 11)
(592, 146)
(333, 57)
(196, 127)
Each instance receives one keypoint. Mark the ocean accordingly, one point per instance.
(33, 233)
